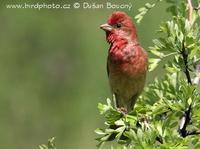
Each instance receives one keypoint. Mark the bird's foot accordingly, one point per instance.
(122, 110)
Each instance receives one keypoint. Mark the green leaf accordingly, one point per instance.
(157, 53)
(153, 63)
(50, 144)
(148, 5)
(103, 108)
(189, 101)
(143, 11)
(120, 122)
(99, 131)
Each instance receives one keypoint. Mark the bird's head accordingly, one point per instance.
(120, 27)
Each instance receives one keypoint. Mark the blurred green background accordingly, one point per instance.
(53, 72)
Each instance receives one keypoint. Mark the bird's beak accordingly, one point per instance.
(106, 27)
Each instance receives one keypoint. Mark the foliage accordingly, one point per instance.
(50, 144)
(144, 10)
(166, 116)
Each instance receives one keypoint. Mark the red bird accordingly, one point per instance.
(127, 61)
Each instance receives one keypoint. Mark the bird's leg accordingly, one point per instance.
(118, 105)
(132, 102)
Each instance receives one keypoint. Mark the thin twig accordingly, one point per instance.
(196, 8)
(190, 7)
(195, 132)
(170, 54)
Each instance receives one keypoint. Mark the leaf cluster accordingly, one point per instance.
(50, 144)
(159, 116)
(155, 119)
(179, 35)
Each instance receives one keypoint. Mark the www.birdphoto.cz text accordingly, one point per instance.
(75, 5)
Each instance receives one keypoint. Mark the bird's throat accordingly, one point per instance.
(116, 43)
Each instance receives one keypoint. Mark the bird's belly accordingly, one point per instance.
(125, 84)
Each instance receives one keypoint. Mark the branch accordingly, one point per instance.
(197, 66)
(196, 8)
(185, 120)
(184, 52)
(190, 9)
(185, 59)
(195, 132)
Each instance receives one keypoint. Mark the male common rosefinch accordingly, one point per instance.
(127, 61)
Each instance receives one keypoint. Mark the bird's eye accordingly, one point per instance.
(118, 25)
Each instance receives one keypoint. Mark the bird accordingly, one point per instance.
(127, 61)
